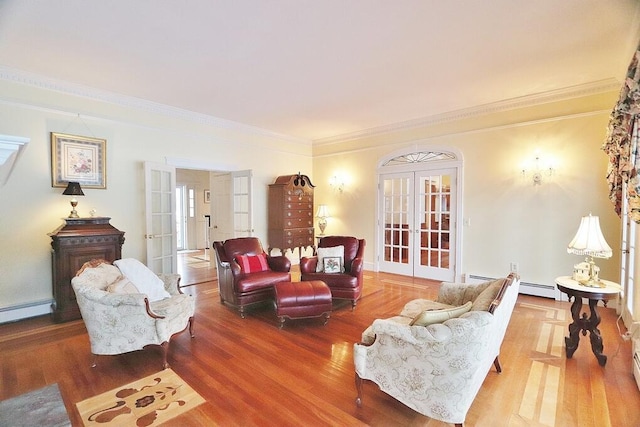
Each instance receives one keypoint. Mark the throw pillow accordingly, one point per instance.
(145, 280)
(472, 291)
(123, 286)
(252, 263)
(334, 251)
(486, 297)
(429, 317)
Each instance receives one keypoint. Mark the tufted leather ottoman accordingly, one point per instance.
(297, 300)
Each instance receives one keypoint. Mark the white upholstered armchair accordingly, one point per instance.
(435, 355)
(129, 308)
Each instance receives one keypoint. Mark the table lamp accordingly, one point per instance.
(322, 214)
(590, 241)
(73, 189)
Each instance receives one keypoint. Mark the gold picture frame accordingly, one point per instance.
(78, 159)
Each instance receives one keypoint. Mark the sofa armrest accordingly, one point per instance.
(356, 266)
(279, 263)
(308, 264)
(171, 283)
(98, 296)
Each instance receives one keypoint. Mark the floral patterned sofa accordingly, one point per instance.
(127, 307)
(435, 355)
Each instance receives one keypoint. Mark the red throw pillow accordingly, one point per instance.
(252, 263)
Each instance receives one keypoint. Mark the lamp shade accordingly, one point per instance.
(73, 189)
(323, 212)
(589, 239)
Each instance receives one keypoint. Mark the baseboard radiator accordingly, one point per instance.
(24, 311)
(526, 288)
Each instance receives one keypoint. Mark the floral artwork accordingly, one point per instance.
(331, 264)
(78, 158)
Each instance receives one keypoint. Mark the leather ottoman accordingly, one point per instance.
(298, 300)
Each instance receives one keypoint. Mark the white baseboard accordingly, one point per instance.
(24, 311)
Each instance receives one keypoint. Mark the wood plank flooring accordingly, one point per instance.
(252, 373)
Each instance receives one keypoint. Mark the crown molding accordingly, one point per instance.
(600, 86)
(47, 83)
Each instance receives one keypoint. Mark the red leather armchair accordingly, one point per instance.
(240, 289)
(347, 285)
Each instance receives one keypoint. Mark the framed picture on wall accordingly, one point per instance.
(80, 159)
(207, 196)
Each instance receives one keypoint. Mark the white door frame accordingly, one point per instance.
(420, 158)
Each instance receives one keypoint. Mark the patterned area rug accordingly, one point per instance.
(146, 402)
(43, 407)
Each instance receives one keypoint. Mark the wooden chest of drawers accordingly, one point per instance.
(291, 212)
(75, 242)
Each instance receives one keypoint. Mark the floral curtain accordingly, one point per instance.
(621, 144)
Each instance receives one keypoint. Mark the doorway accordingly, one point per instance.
(418, 214)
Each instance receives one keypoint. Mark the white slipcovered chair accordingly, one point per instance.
(435, 355)
(127, 307)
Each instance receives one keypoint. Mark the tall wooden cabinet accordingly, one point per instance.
(291, 212)
(75, 242)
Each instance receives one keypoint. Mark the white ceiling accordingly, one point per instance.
(316, 69)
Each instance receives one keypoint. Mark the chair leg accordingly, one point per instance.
(164, 347)
(359, 389)
(496, 363)
(94, 360)
(191, 327)
(353, 304)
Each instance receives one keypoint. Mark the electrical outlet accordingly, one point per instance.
(513, 267)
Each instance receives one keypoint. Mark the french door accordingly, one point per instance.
(418, 234)
(161, 236)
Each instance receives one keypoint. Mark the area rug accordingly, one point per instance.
(43, 407)
(146, 402)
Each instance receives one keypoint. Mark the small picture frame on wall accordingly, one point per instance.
(207, 196)
(79, 159)
(331, 264)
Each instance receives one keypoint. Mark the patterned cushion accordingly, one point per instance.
(334, 251)
(417, 306)
(252, 263)
(123, 286)
(483, 301)
(429, 317)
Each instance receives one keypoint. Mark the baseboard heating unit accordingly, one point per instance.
(526, 288)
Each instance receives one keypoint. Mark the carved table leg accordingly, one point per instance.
(571, 342)
(585, 324)
(595, 337)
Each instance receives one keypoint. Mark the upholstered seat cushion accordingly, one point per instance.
(260, 280)
(342, 280)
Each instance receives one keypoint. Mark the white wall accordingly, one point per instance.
(30, 208)
(511, 220)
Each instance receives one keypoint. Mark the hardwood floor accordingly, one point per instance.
(252, 373)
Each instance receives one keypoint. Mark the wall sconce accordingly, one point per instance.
(337, 182)
(537, 170)
(322, 214)
(73, 189)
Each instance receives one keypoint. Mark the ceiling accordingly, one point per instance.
(321, 69)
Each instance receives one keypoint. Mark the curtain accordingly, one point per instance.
(621, 144)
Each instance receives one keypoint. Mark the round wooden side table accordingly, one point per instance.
(586, 323)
